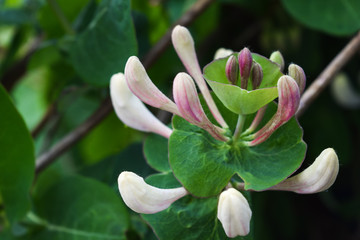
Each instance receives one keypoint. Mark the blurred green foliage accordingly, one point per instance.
(60, 54)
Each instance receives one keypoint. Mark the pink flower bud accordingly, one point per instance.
(184, 47)
(289, 99)
(187, 100)
(141, 85)
(256, 75)
(245, 64)
(234, 213)
(144, 198)
(131, 110)
(232, 70)
(318, 177)
(298, 74)
(278, 58)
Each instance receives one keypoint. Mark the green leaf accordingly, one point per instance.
(104, 47)
(78, 208)
(339, 17)
(187, 218)
(204, 165)
(156, 152)
(239, 100)
(17, 160)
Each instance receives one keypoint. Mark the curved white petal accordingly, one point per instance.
(143, 198)
(131, 110)
(318, 177)
(222, 52)
(234, 213)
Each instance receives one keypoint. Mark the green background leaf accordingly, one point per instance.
(17, 160)
(240, 100)
(156, 152)
(104, 47)
(204, 165)
(78, 208)
(339, 17)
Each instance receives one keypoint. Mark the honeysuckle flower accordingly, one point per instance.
(232, 70)
(278, 58)
(289, 99)
(142, 86)
(184, 47)
(298, 74)
(144, 198)
(187, 100)
(318, 177)
(256, 75)
(245, 64)
(234, 213)
(222, 52)
(131, 110)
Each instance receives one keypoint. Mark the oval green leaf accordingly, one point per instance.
(156, 152)
(239, 100)
(17, 160)
(338, 17)
(204, 165)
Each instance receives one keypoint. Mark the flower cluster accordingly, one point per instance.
(130, 90)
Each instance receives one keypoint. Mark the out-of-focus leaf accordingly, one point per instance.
(109, 137)
(78, 208)
(104, 47)
(339, 17)
(16, 160)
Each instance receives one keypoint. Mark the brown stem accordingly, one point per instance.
(49, 113)
(64, 144)
(328, 73)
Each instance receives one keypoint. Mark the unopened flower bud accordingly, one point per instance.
(318, 177)
(232, 70)
(234, 213)
(142, 86)
(184, 47)
(144, 198)
(131, 110)
(222, 52)
(298, 74)
(256, 75)
(245, 64)
(278, 58)
(289, 99)
(187, 100)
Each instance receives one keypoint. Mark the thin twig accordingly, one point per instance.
(328, 74)
(49, 113)
(65, 143)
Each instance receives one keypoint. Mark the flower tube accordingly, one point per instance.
(131, 110)
(144, 198)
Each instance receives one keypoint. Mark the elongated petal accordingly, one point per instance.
(187, 100)
(131, 110)
(318, 177)
(289, 99)
(142, 86)
(144, 198)
(184, 46)
(234, 213)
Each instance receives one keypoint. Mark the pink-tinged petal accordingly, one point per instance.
(142, 86)
(234, 213)
(144, 198)
(184, 46)
(318, 177)
(131, 110)
(298, 74)
(187, 100)
(289, 99)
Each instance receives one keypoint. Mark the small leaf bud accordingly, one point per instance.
(298, 74)
(232, 70)
(256, 75)
(278, 58)
(245, 64)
